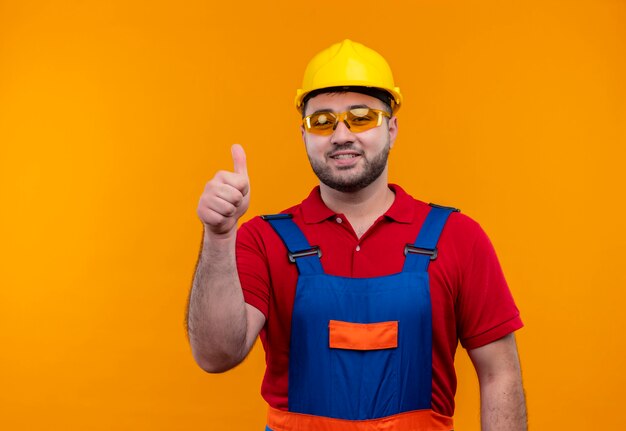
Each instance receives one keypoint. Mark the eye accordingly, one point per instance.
(322, 120)
(362, 115)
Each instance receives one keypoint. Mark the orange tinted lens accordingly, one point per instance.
(321, 123)
(361, 119)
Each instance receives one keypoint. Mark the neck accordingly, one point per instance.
(361, 208)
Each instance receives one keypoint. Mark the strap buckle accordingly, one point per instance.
(410, 248)
(315, 250)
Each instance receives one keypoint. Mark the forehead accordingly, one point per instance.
(339, 102)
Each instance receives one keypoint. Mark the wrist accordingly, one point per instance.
(213, 237)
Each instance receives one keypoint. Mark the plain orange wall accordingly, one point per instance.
(114, 114)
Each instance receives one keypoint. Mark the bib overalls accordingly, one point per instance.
(361, 348)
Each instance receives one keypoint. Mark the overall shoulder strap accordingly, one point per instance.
(300, 252)
(419, 254)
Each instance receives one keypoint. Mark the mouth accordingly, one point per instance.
(344, 155)
(344, 159)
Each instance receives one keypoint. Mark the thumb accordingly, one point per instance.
(239, 159)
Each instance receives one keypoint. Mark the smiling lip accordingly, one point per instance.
(344, 155)
(344, 158)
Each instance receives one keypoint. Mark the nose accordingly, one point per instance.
(342, 134)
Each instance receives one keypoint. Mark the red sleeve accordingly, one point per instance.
(252, 266)
(485, 307)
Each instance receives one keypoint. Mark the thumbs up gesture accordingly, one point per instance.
(226, 197)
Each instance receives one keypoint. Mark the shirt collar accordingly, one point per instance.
(314, 210)
(402, 209)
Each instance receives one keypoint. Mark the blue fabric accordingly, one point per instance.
(357, 384)
(428, 238)
(295, 241)
(354, 384)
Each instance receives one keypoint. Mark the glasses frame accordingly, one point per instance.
(342, 117)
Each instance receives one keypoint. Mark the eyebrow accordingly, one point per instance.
(351, 107)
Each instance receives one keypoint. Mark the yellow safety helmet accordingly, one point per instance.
(348, 64)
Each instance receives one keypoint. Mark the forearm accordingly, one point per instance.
(217, 318)
(503, 404)
(502, 401)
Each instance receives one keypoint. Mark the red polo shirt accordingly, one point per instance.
(470, 298)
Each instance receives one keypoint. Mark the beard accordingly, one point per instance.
(350, 183)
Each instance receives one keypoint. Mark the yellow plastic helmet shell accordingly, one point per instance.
(348, 63)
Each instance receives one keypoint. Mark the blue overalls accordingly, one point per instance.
(361, 348)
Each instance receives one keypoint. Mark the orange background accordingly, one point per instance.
(114, 114)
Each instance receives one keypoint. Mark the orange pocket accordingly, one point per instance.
(363, 336)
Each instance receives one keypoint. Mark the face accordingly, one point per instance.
(347, 161)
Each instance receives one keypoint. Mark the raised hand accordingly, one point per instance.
(226, 197)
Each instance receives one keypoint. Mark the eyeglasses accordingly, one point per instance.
(357, 120)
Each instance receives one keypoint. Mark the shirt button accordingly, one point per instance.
(358, 248)
(338, 219)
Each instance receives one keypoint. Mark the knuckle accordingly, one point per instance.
(237, 200)
(217, 180)
(229, 210)
(220, 174)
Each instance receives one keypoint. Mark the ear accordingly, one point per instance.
(303, 133)
(393, 130)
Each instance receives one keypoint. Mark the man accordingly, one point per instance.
(360, 293)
